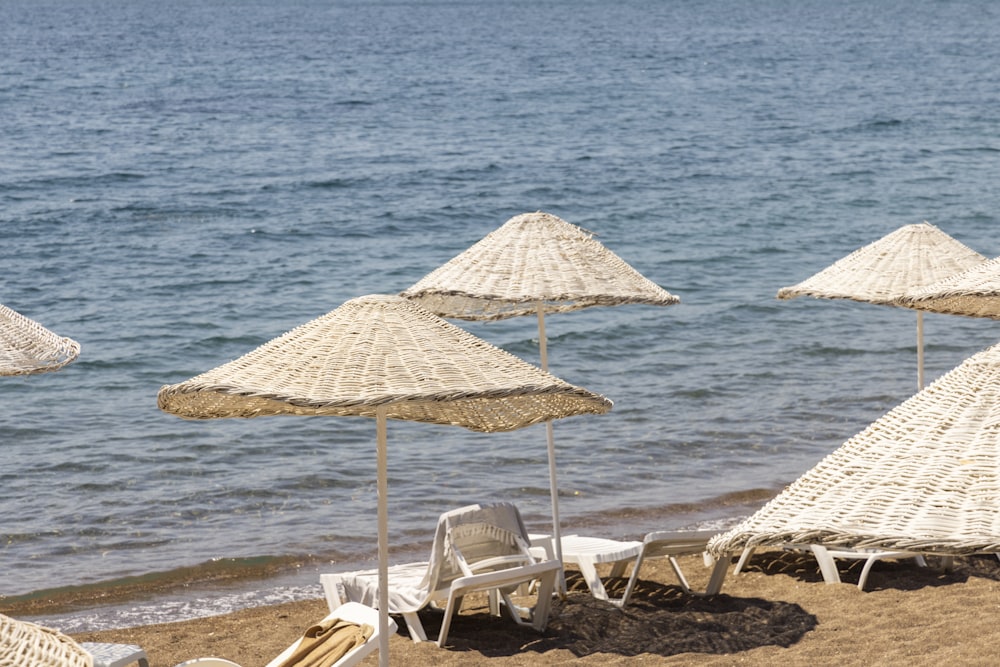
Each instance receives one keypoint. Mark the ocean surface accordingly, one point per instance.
(181, 182)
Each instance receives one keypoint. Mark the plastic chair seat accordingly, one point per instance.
(115, 655)
(588, 552)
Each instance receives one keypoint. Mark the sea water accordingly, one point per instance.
(181, 182)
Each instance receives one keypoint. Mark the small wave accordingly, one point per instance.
(853, 173)
(332, 183)
(715, 512)
(772, 250)
(878, 124)
(827, 351)
(169, 611)
(81, 181)
(699, 393)
(214, 572)
(967, 150)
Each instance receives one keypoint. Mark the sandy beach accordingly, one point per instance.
(778, 611)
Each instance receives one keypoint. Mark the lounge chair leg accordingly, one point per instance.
(334, 591)
(718, 575)
(618, 568)
(514, 611)
(864, 572)
(450, 608)
(415, 627)
(827, 566)
(494, 602)
(632, 579)
(744, 557)
(680, 575)
(543, 605)
(589, 572)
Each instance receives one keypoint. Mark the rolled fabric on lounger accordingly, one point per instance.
(342, 639)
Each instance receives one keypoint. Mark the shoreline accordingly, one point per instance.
(230, 584)
(778, 611)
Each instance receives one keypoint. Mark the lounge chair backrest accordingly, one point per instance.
(468, 538)
(479, 548)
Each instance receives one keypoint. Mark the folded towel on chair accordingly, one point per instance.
(327, 642)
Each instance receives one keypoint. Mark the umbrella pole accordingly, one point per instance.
(383, 538)
(550, 440)
(920, 350)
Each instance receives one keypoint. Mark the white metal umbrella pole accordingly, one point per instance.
(550, 439)
(920, 350)
(383, 537)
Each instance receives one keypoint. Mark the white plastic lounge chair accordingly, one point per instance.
(476, 548)
(828, 567)
(669, 544)
(115, 655)
(352, 611)
(588, 552)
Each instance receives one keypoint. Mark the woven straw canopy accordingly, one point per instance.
(898, 264)
(382, 351)
(533, 258)
(25, 644)
(26, 347)
(975, 293)
(925, 477)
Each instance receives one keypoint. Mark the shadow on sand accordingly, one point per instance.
(903, 575)
(660, 620)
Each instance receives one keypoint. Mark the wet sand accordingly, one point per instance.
(778, 611)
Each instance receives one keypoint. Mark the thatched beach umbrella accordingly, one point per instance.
(974, 293)
(387, 358)
(26, 347)
(534, 264)
(923, 478)
(897, 265)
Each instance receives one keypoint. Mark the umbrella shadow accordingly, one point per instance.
(660, 620)
(903, 575)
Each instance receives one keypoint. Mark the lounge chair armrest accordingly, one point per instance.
(508, 577)
(506, 562)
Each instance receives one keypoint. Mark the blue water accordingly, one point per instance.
(181, 182)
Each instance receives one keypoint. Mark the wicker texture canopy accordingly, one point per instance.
(533, 258)
(896, 265)
(382, 351)
(925, 477)
(975, 293)
(25, 644)
(908, 259)
(26, 347)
